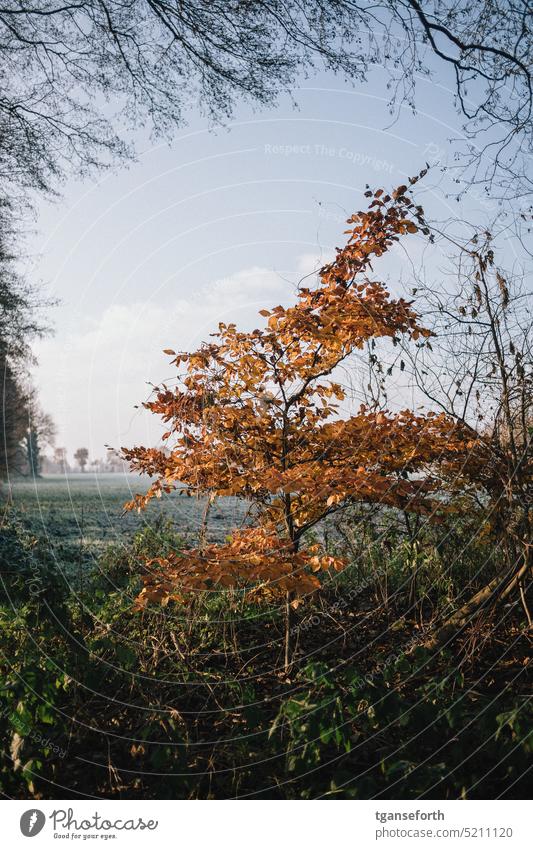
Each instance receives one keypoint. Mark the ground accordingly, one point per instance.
(193, 700)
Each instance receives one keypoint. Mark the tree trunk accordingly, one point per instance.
(288, 628)
(496, 590)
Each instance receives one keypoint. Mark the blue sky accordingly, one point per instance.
(214, 227)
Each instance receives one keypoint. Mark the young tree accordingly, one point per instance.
(256, 415)
(82, 455)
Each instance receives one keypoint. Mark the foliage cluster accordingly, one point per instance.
(97, 700)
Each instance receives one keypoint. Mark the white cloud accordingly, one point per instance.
(93, 374)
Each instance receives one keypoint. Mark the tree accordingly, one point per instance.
(82, 455)
(480, 372)
(489, 48)
(256, 415)
(14, 407)
(60, 459)
(40, 433)
(20, 303)
(19, 324)
(63, 63)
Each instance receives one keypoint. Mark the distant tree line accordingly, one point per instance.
(57, 462)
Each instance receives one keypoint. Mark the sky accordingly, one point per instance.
(214, 227)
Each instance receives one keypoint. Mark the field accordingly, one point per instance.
(80, 514)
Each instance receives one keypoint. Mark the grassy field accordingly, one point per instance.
(193, 700)
(82, 513)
